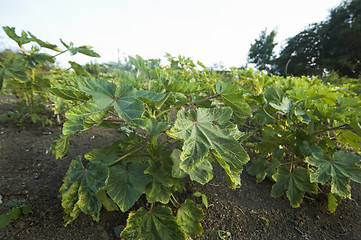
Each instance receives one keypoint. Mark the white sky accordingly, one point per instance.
(207, 30)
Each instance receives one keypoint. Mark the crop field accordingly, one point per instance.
(148, 151)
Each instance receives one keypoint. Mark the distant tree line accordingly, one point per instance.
(331, 45)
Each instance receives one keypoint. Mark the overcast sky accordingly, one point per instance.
(207, 30)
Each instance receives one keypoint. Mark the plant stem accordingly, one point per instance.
(60, 53)
(344, 126)
(188, 104)
(204, 99)
(163, 101)
(127, 155)
(174, 201)
(268, 114)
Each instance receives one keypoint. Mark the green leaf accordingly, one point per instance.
(15, 213)
(258, 169)
(19, 40)
(103, 155)
(302, 115)
(157, 224)
(173, 82)
(69, 93)
(126, 183)
(44, 44)
(204, 198)
(189, 217)
(106, 94)
(153, 127)
(87, 50)
(79, 70)
(296, 184)
(60, 146)
(13, 203)
(4, 220)
(25, 209)
(79, 189)
(351, 138)
(341, 168)
(233, 97)
(274, 94)
(284, 106)
(64, 44)
(82, 117)
(201, 133)
(160, 188)
(147, 96)
(201, 174)
(356, 126)
(332, 202)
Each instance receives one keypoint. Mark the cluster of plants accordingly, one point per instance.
(30, 73)
(16, 210)
(177, 121)
(306, 134)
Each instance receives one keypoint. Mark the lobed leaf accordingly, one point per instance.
(69, 93)
(233, 97)
(60, 146)
(201, 133)
(341, 168)
(80, 187)
(126, 183)
(296, 184)
(157, 224)
(201, 174)
(189, 217)
(160, 188)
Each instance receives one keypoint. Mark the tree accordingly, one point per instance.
(302, 54)
(332, 45)
(341, 36)
(261, 51)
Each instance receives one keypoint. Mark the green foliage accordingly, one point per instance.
(176, 122)
(341, 168)
(126, 183)
(261, 51)
(145, 160)
(189, 218)
(159, 223)
(332, 44)
(28, 74)
(80, 187)
(16, 210)
(295, 127)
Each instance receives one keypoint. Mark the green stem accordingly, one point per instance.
(158, 106)
(151, 207)
(174, 201)
(268, 114)
(342, 127)
(127, 155)
(204, 99)
(188, 104)
(60, 53)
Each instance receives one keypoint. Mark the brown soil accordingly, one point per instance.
(30, 173)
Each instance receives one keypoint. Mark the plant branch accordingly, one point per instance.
(60, 53)
(342, 127)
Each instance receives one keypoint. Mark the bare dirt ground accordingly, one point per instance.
(31, 174)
